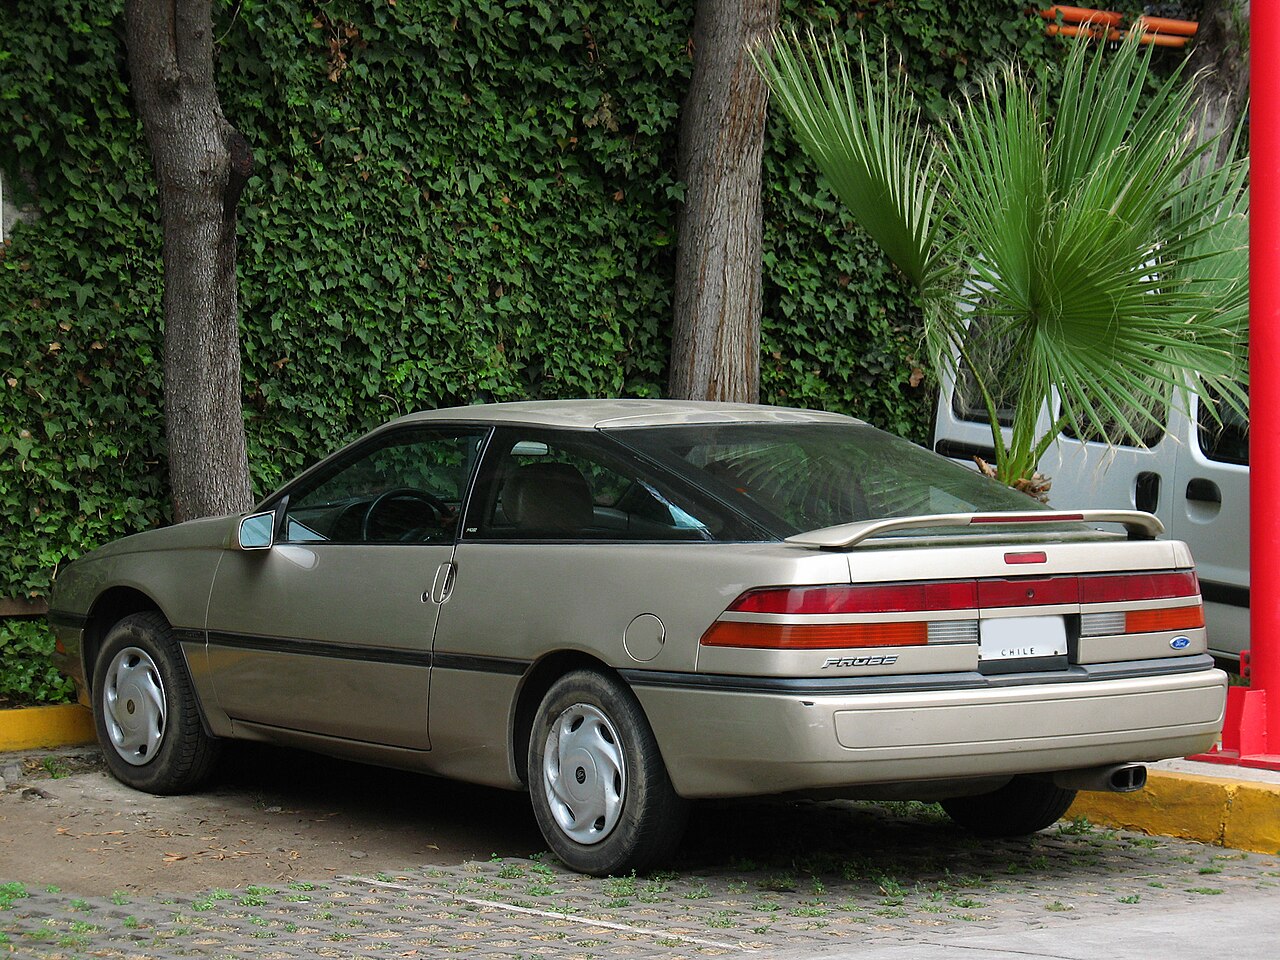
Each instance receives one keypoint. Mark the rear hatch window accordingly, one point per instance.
(796, 477)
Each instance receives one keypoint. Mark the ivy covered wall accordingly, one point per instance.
(452, 201)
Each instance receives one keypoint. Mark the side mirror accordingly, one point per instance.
(257, 531)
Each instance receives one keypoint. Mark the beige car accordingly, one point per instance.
(625, 605)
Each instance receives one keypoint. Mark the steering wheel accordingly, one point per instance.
(403, 514)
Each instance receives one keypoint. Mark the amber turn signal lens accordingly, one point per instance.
(1166, 618)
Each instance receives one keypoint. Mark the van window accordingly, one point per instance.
(1114, 434)
(1225, 438)
(991, 352)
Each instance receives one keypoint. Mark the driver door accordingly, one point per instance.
(330, 631)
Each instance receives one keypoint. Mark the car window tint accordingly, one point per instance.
(1224, 437)
(545, 485)
(805, 476)
(407, 487)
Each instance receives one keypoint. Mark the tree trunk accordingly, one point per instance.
(1220, 62)
(715, 350)
(201, 164)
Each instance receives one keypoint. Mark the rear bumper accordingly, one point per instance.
(721, 742)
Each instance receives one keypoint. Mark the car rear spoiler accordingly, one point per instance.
(1139, 525)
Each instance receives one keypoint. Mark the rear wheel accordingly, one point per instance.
(1020, 807)
(599, 788)
(145, 709)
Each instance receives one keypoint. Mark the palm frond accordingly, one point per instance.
(864, 135)
(1093, 244)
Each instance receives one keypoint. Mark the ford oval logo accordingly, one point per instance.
(1180, 643)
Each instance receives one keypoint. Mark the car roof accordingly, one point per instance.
(584, 414)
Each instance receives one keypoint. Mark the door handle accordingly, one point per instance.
(1146, 491)
(442, 585)
(1205, 491)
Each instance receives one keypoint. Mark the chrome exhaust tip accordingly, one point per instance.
(1114, 778)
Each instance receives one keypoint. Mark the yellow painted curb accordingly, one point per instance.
(1239, 814)
(62, 725)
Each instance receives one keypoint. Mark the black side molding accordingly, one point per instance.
(958, 450)
(1225, 593)
(920, 682)
(63, 618)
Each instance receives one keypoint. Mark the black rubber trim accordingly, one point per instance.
(958, 450)
(187, 634)
(1226, 593)
(317, 648)
(1055, 664)
(462, 661)
(345, 651)
(918, 682)
(64, 618)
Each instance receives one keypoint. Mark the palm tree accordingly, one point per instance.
(1093, 252)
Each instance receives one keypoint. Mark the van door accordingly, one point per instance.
(1089, 473)
(1211, 513)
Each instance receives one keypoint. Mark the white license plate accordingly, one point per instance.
(1013, 638)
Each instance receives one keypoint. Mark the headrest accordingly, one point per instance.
(548, 496)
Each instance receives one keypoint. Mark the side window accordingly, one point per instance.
(542, 485)
(405, 488)
(1226, 437)
(1150, 430)
(991, 352)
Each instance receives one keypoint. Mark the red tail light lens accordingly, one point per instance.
(881, 598)
(1035, 556)
(1114, 587)
(1028, 591)
(753, 630)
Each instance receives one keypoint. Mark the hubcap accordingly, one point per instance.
(133, 705)
(584, 773)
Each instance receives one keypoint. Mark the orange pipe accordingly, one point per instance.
(1180, 28)
(1085, 17)
(1082, 15)
(1164, 40)
(1099, 33)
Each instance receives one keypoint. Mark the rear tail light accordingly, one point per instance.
(833, 616)
(1116, 587)
(1160, 620)
(1122, 587)
(878, 598)
(922, 598)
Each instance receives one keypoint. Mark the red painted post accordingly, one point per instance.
(1251, 735)
(1264, 370)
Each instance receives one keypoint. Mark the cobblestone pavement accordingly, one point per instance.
(763, 879)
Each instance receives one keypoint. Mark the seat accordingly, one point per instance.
(549, 497)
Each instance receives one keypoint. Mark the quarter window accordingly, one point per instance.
(547, 485)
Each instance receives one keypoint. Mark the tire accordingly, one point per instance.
(145, 709)
(1021, 807)
(600, 791)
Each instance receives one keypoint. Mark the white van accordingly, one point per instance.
(1193, 475)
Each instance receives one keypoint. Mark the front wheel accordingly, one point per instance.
(1022, 806)
(145, 709)
(599, 788)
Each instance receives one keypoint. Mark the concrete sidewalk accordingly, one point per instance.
(1227, 928)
